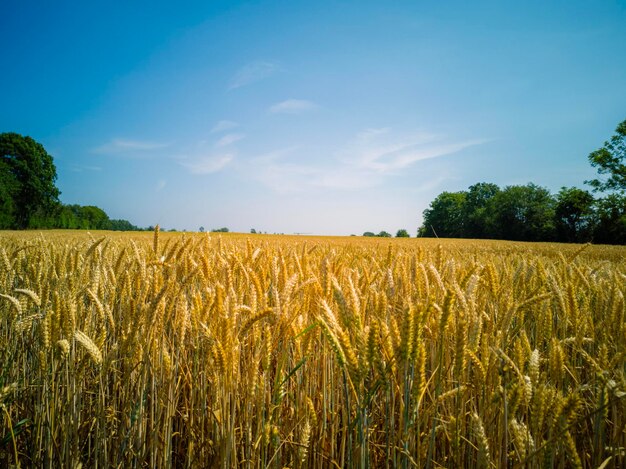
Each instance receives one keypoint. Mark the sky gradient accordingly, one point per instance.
(309, 117)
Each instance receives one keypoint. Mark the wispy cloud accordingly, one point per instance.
(383, 151)
(293, 106)
(229, 139)
(79, 168)
(369, 159)
(223, 126)
(253, 72)
(118, 145)
(208, 164)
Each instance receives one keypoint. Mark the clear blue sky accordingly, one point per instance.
(315, 117)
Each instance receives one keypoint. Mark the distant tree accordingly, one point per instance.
(368, 234)
(611, 160)
(574, 215)
(8, 188)
(610, 225)
(522, 213)
(201, 229)
(122, 225)
(403, 234)
(27, 177)
(384, 234)
(444, 217)
(94, 218)
(252, 231)
(475, 210)
(220, 230)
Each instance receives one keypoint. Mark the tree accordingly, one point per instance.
(573, 215)
(403, 234)
(522, 213)
(444, 217)
(122, 225)
(201, 229)
(610, 225)
(8, 187)
(475, 210)
(384, 234)
(369, 234)
(27, 176)
(610, 160)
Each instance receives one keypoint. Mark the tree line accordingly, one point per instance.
(29, 197)
(531, 213)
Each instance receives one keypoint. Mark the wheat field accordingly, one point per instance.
(197, 350)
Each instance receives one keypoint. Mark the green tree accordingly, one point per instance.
(369, 234)
(444, 217)
(574, 215)
(522, 213)
(609, 160)
(28, 176)
(475, 211)
(384, 234)
(610, 225)
(122, 225)
(403, 234)
(94, 218)
(8, 187)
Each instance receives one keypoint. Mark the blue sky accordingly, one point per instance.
(311, 117)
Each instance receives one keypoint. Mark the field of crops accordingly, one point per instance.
(197, 350)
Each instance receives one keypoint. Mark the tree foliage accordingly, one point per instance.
(444, 218)
(610, 160)
(27, 177)
(522, 213)
(476, 209)
(573, 215)
(610, 220)
(403, 234)
(527, 213)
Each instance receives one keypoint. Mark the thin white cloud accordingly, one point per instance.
(253, 72)
(208, 164)
(275, 155)
(79, 168)
(371, 158)
(380, 151)
(223, 126)
(292, 106)
(229, 139)
(118, 145)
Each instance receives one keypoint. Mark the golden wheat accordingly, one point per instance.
(192, 350)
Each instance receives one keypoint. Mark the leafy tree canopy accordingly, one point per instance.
(403, 234)
(444, 217)
(522, 213)
(27, 176)
(610, 160)
(574, 214)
